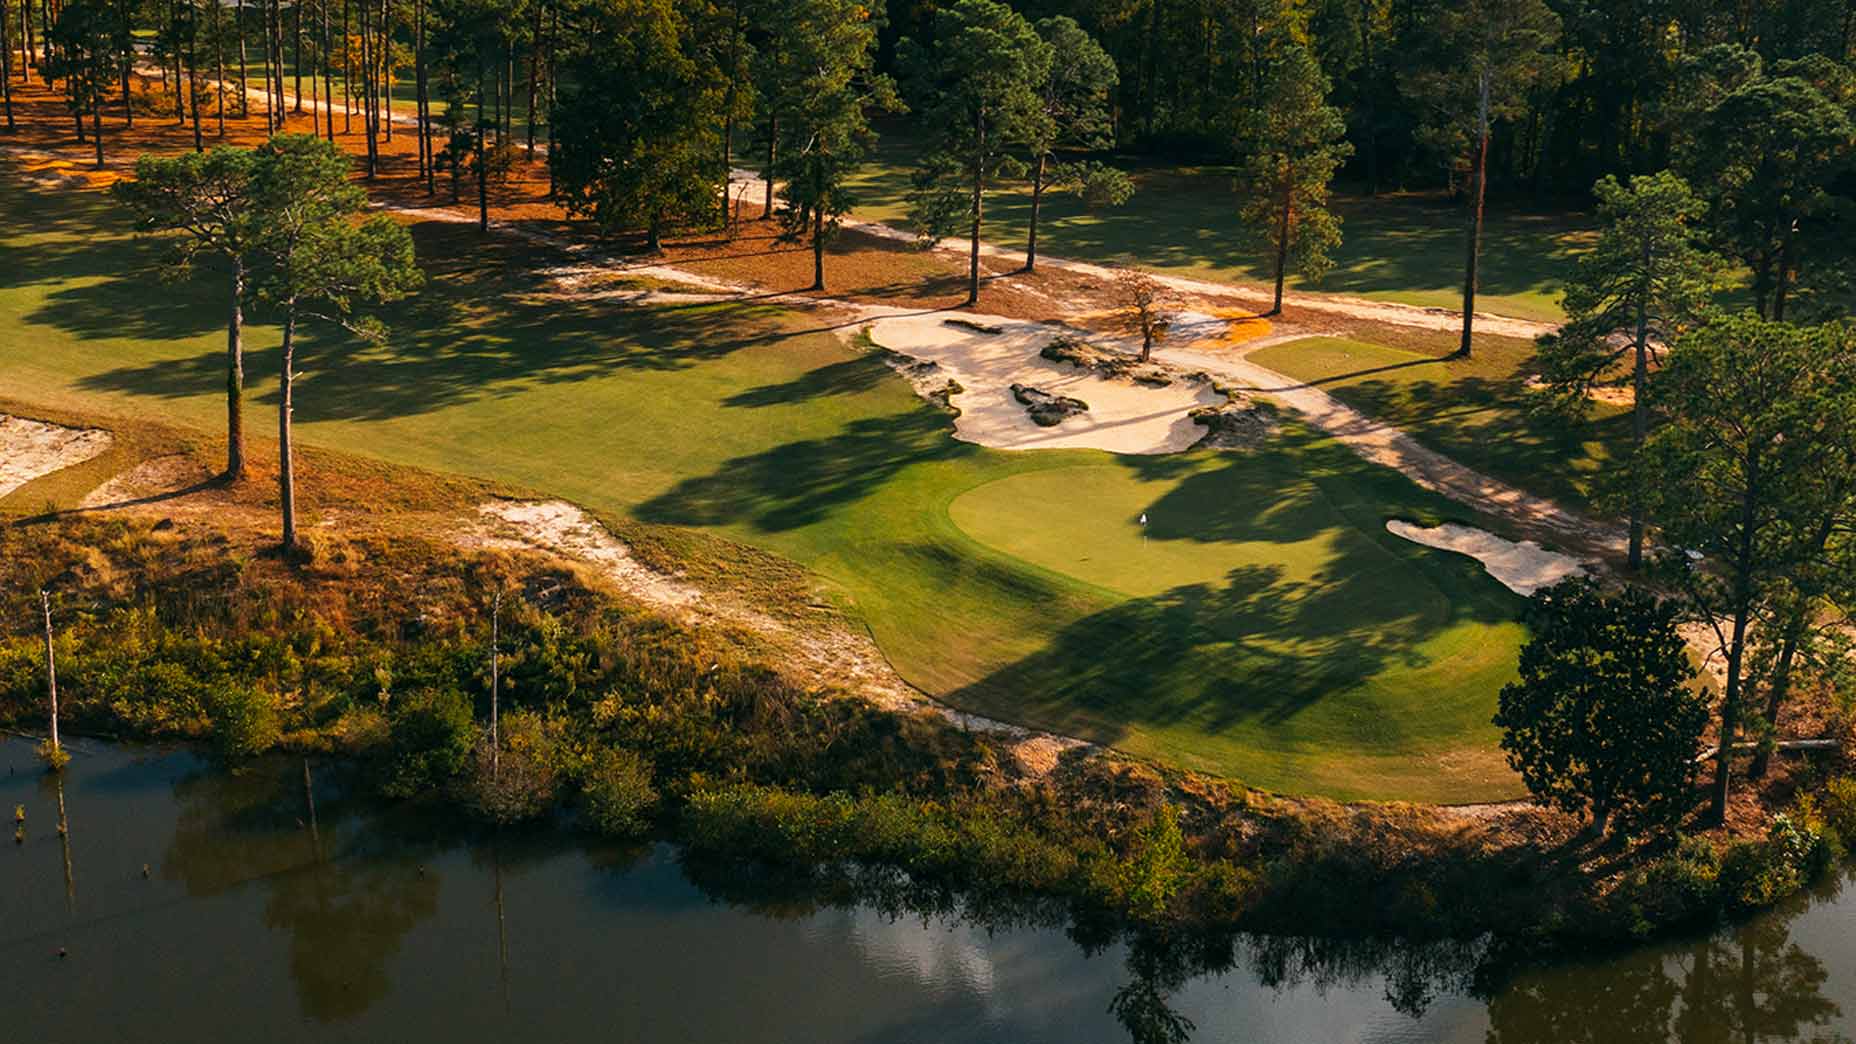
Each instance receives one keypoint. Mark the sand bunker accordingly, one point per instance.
(29, 449)
(1123, 417)
(1523, 568)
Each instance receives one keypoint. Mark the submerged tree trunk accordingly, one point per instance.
(51, 669)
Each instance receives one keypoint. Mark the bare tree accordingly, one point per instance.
(1146, 309)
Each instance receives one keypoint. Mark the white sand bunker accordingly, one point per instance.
(987, 355)
(558, 526)
(29, 449)
(1523, 568)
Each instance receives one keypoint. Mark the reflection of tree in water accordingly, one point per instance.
(346, 897)
(1750, 985)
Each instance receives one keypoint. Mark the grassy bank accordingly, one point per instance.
(374, 653)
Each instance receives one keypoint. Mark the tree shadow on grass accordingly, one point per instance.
(1343, 603)
(478, 329)
(802, 482)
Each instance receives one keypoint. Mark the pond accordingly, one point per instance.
(185, 903)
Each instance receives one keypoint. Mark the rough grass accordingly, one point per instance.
(1474, 410)
(763, 428)
(1397, 247)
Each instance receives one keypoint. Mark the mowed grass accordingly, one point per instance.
(1267, 628)
(1475, 410)
(1397, 247)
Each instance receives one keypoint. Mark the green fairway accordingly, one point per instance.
(1396, 248)
(1263, 625)
(1474, 410)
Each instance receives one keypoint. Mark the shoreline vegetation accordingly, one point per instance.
(176, 621)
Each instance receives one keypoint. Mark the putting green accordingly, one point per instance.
(1265, 611)
(1268, 629)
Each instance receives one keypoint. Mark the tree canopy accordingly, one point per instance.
(1604, 717)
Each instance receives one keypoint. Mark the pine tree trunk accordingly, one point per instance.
(6, 67)
(818, 228)
(1475, 223)
(1640, 408)
(328, 75)
(1743, 600)
(773, 145)
(296, 73)
(219, 71)
(96, 124)
(483, 182)
(193, 79)
(286, 472)
(244, 86)
(1282, 244)
(1037, 200)
(1780, 687)
(235, 376)
(128, 63)
(534, 71)
(979, 206)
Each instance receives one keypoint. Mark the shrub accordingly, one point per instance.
(1681, 888)
(617, 797)
(1837, 805)
(244, 719)
(522, 783)
(429, 741)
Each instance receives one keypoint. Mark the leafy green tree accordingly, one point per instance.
(317, 262)
(1477, 63)
(1765, 155)
(1757, 457)
(976, 85)
(1296, 142)
(830, 47)
(206, 197)
(1641, 286)
(1604, 717)
(1074, 99)
(637, 121)
(86, 44)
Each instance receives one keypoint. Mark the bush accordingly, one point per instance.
(244, 719)
(617, 797)
(429, 741)
(1679, 889)
(522, 783)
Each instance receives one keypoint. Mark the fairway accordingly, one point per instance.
(1477, 411)
(1264, 626)
(1404, 248)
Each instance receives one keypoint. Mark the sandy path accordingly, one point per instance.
(1384, 444)
(29, 449)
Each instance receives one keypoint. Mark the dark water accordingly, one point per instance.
(378, 925)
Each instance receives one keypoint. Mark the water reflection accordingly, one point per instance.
(395, 924)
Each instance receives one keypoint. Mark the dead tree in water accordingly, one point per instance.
(53, 751)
